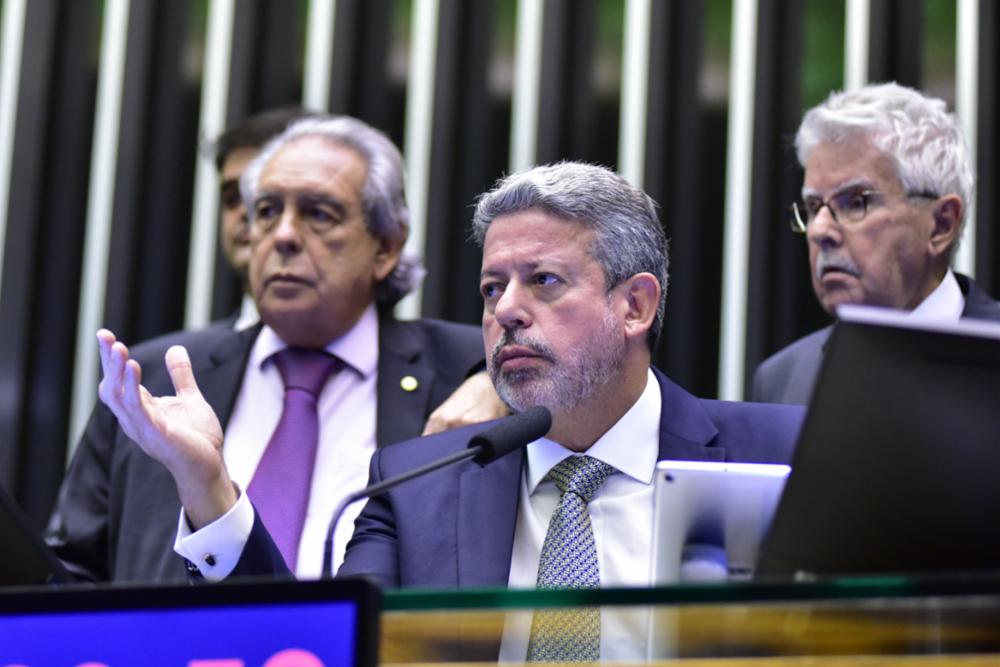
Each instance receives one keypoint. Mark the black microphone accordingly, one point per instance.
(502, 438)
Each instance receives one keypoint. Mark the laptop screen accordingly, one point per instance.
(24, 557)
(283, 624)
(897, 463)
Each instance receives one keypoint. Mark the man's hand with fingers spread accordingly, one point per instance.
(181, 431)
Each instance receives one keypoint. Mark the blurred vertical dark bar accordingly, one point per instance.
(896, 41)
(278, 47)
(360, 84)
(987, 149)
(781, 305)
(469, 152)
(572, 125)
(265, 72)
(154, 177)
(681, 152)
(43, 253)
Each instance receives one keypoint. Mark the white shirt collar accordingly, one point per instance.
(945, 303)
(631, 446)
(248, 314)
(358, 347)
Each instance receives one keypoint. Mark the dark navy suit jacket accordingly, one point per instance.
(116, 518)
(455, 527)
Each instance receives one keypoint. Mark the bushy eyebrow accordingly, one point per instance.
(305, 199)
(518, 266)
(854, 183)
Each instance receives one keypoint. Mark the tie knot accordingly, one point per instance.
(303, 369)
(581, 475)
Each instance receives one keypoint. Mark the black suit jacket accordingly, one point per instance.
(117, 513)
(789, 375)
(455, 526)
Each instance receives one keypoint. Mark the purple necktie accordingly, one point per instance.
(280, 486)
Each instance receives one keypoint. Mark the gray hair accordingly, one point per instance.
(924, 141)
(628, 236)
(383, 198)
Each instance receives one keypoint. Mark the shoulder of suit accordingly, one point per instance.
(424, 449)
(444, 328)
(440, 336)
(811, 344)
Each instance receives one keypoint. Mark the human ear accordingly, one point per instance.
(947, 213)
(642, 299)
(387, 255)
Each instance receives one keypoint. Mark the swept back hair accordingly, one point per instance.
(628, 236)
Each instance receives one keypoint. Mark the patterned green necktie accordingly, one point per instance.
(569, 560)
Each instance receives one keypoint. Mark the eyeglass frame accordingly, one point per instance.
(799, 227)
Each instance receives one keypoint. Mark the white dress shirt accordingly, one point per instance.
(945, 303)
(621, 514)
(347, 412)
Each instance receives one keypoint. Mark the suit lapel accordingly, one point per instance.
(221, 376)
(978, 304)
(402, 409)
(487, 501)
(686, 431)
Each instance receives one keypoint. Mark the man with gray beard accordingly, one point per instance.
(884, 199)
(573, 281)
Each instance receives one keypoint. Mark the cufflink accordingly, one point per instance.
(193, 572)
(209, 560)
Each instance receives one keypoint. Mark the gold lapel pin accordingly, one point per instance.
(409, 383)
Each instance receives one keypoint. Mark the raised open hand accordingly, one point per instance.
(182, 432)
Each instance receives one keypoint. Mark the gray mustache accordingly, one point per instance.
(514, 337)
(841, 262)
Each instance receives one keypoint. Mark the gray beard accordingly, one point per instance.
(562, 385)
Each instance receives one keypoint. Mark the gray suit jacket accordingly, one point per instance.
(788, 376)
(118, 509)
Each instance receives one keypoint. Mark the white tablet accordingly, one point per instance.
(710, 517)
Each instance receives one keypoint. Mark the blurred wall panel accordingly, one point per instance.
(470, 147)
(988, 151)
(42, 253)
(371, 71)
(684, 153)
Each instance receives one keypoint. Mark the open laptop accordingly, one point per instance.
(897, 469)
(25, 559)
(331, 623)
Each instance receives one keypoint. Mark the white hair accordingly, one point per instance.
(925, 142)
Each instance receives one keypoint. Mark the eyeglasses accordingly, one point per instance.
(845, 207)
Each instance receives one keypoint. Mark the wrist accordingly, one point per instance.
(205, 504)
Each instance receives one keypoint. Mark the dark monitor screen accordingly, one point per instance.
(272, 624)
(897, 468)
(24, 557)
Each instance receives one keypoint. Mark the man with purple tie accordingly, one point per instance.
(295, 405)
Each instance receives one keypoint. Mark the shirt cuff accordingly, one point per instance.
(216, 549)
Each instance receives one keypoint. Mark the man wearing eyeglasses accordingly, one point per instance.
(884, 200)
